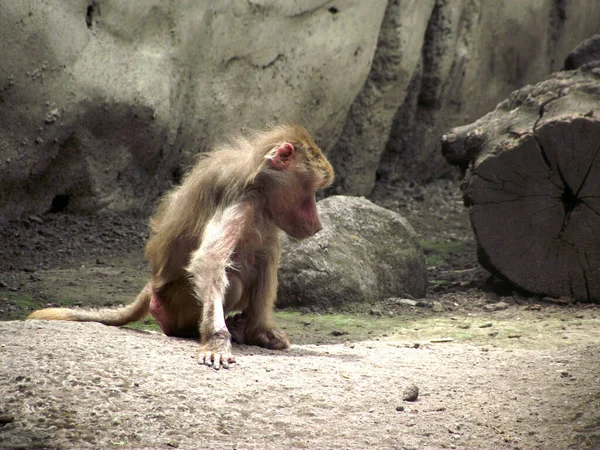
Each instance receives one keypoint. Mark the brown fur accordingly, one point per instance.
(214, 245)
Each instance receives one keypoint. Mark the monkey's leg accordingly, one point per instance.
(176, 310)
(260, 329)
(235, 323)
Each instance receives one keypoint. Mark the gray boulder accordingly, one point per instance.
(364, 253)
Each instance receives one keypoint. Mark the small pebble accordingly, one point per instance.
(338, 333)
(442, 340)
(36, 219)
(406, 301)
(5, 418)
(411, 393)
(496, 306)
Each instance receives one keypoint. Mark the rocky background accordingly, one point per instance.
(103, 103)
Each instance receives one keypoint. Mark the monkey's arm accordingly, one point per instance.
(207, 269)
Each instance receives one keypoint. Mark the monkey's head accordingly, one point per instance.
(295, 170)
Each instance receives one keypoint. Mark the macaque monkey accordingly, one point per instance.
(214, 244)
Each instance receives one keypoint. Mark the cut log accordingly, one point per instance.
(586, 52)
(532, 185)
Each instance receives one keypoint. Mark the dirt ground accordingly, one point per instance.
(494, 368)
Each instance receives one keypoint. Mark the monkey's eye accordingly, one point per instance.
(310, 186)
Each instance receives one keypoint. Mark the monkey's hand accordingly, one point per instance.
(273, 339)
(216, 352)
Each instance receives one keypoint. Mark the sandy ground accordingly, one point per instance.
(494, 368)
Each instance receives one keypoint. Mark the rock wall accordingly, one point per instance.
(473, 53)
(103, 103)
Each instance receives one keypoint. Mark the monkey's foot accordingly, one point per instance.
(236, 324)
(273, 339)
(216, 352)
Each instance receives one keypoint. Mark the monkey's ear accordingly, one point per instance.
(281, 157)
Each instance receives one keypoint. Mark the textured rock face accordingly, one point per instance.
(472, 55)
(103, 102)
(363, 254)
(357, 153)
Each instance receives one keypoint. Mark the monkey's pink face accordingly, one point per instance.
(296, 213)
(291, 198)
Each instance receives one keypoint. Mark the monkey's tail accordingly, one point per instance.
(116, 317)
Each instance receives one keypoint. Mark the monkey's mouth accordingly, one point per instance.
(302, 233)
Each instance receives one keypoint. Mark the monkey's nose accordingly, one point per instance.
(318, 228)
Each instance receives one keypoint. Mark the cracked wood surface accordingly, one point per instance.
(532, 185)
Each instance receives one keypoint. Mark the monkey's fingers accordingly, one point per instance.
(226, 360)
(206, 358)
(217, 360)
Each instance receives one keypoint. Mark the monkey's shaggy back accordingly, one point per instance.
(219, 179)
